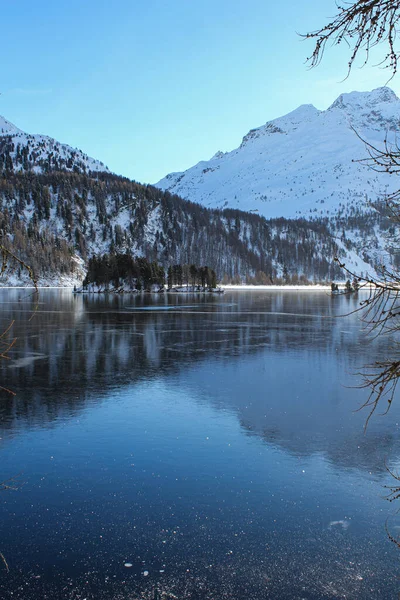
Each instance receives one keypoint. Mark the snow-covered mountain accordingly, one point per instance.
(302, 164)
(40, 153)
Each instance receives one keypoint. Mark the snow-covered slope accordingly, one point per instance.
(302, 164)
(7, 128)
(38, 153)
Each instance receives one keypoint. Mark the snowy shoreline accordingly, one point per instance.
(228, 287)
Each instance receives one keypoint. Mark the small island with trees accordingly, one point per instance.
(120, 273)
(349, 287)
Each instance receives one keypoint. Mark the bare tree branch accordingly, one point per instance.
(380, 313)
(362, 25)
(7, 256)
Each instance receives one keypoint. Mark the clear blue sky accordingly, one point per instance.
(152, 86)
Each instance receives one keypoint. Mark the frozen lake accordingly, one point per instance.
(209, 450)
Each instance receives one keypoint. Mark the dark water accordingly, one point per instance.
(211, 443)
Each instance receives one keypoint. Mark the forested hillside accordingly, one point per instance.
(53, 219)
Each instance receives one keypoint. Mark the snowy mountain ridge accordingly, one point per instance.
(303, 164)
(39, 153)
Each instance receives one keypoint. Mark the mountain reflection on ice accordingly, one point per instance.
(214, 451)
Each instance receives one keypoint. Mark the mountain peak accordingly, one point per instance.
(359, 100)
(7, 128)
(218, 155)
(378, 110)
(299, 116)
(284, 125)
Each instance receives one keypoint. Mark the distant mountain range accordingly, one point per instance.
(282, 205)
